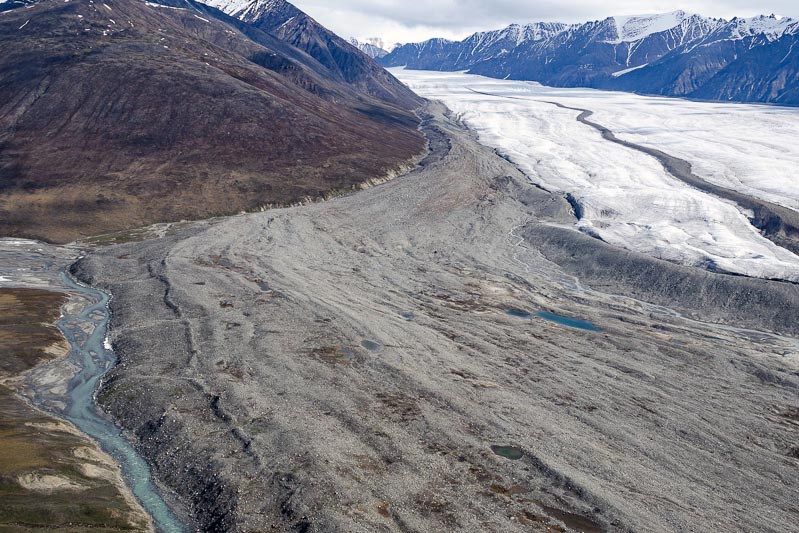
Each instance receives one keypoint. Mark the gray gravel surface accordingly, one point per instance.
(351, 366)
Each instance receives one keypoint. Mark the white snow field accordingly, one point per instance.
(628, 199)
(634, 28)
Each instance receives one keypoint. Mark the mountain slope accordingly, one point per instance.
(344, 62)
(745, 60)
(124, 113)
(673, 54)
(760, 74)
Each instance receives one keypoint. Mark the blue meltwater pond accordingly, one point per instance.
(558, 319)
(86, 332)
(570, 322)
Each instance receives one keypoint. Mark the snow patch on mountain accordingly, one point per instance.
(238, 8)
(637, 27)
(628, 70)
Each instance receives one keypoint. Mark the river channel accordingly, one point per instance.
(86, 333)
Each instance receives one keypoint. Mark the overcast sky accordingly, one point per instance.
(414, 20)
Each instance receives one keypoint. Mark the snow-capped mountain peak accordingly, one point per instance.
(248, 9)
(372, 48)
(514, 33)
(637, 27)
(528, 32)
(771, 26)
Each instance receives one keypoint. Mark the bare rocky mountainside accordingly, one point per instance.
(122, 113)
(291, 25)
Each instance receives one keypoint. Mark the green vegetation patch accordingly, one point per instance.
(27, 334)
(50, 477)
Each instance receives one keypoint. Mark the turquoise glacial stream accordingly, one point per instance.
(94, 360)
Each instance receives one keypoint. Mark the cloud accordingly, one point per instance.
(408, 21)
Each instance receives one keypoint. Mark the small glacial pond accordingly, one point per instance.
(372, 346)
(508, 452)
(570, 322)
(558, 319)
(86, 332)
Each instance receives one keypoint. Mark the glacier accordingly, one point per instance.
(627, 198)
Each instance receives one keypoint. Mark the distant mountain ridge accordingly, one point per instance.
(671, 54)
(370, 49)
